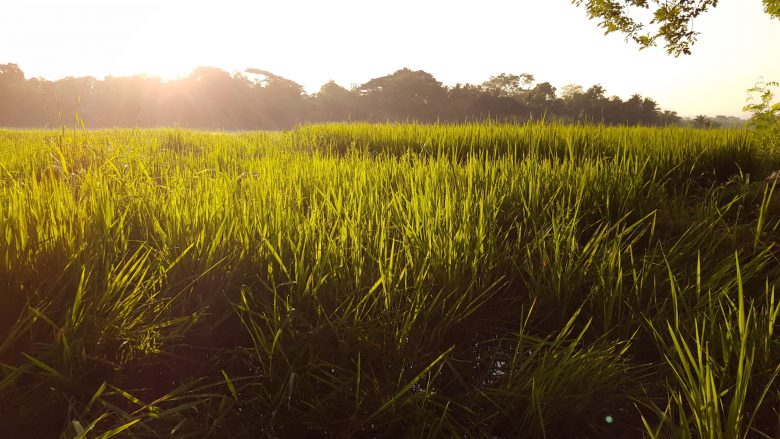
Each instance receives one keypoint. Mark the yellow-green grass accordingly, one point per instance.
(358, 280)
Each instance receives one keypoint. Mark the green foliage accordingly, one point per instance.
(672, 22)
(765, 111)
(357, 280)
(772, 7)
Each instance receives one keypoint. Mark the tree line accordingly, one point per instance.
(211, 98)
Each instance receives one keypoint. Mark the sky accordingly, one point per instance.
(352, 41)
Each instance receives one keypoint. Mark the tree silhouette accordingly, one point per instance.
(212, 98)
(702, 121)
(335, 103)
(507, 85)
(404, 95)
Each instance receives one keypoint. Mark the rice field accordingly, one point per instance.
(382, 281)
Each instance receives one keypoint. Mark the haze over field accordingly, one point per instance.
(458, 42)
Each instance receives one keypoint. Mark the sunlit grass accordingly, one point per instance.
(389, 281)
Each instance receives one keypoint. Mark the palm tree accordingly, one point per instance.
(701, 121)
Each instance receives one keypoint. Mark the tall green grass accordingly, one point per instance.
(389, 280)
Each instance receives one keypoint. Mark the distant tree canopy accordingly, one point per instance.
(671, 20)
(211, 98)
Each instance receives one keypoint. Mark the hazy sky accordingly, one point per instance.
(352, 41)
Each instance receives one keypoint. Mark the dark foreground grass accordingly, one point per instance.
(389, 281)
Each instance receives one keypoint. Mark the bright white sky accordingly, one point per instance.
(352, 41)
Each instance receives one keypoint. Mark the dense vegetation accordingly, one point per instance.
(363, 280)
(211, 98)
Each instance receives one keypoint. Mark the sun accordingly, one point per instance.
(166, 68)
(154, 64)
(163, 47)
(158, 55)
